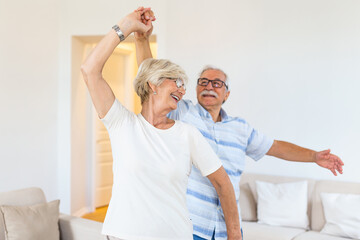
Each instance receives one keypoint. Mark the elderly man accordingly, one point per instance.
(232, 138)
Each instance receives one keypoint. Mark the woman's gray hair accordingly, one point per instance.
(155, 71)
(209, 67)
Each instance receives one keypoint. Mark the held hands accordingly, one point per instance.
(330, 161)
(139, 21)
(147, 17)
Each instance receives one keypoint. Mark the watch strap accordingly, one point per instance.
(119, 32)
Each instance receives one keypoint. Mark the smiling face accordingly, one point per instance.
(153, 72)
(168, 94)
(209, 97)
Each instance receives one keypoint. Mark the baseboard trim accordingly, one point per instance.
(81, 212)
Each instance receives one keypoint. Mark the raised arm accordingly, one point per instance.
(142, 42)
(101, 93)
(225, 190)
(292, 152)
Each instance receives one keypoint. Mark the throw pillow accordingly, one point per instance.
(34, 222)
(342, 214)
(283, 204)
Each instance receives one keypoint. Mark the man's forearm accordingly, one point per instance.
(291, 152)
(143, 50)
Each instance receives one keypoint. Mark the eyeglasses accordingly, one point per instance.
(216, 83)
(179, 82)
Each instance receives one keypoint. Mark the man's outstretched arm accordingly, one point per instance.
(292, 152)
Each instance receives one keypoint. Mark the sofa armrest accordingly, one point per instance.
(75, 228)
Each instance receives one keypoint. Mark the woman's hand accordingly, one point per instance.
(147, 17)
(133, 23)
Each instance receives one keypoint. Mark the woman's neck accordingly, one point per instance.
(155, 116)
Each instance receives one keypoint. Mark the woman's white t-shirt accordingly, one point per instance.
(151, 168)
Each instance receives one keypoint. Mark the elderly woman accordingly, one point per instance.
(152, 153)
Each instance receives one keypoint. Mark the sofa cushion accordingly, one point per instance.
(342, 214)
(33, 222)
(250, 179)
(317, 213)
(258, 231)
(282, 204)
(247, 203)
(28, 196)
(312, 235)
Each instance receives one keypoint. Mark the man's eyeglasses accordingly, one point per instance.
(216, 83)
(179, 82)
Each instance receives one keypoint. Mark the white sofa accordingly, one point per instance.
(71, 228)
(256, 231)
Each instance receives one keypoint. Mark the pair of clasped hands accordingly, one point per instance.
(138, 22)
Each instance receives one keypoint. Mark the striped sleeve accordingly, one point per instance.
(258, 144)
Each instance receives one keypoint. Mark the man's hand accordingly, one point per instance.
(330, 161)
(292, 152)
(147, 17)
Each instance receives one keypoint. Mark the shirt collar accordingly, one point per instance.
(223, 114)
(204, 113)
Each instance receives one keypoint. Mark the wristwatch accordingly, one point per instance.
(119, 32)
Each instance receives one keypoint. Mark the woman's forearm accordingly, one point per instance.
(225, 191)
(228, 203)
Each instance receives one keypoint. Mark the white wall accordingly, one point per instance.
(309, 82)
(81, 122)
(293, 67)
(28, 95)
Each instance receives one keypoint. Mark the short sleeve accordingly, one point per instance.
(202, 155)
(116, 116)
(258, 144)
(182, 108)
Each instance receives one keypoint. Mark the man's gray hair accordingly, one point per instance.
(210, 67)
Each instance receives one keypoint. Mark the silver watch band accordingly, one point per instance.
(119, 32)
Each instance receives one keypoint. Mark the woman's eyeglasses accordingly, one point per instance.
(179, 82)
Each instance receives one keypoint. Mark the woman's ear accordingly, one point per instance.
(152, 88)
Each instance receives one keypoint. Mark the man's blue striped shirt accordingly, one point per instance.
(231, 139)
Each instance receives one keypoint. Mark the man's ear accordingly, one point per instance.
(226, 96)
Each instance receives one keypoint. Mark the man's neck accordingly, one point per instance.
(216, 116)
(214, 112)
